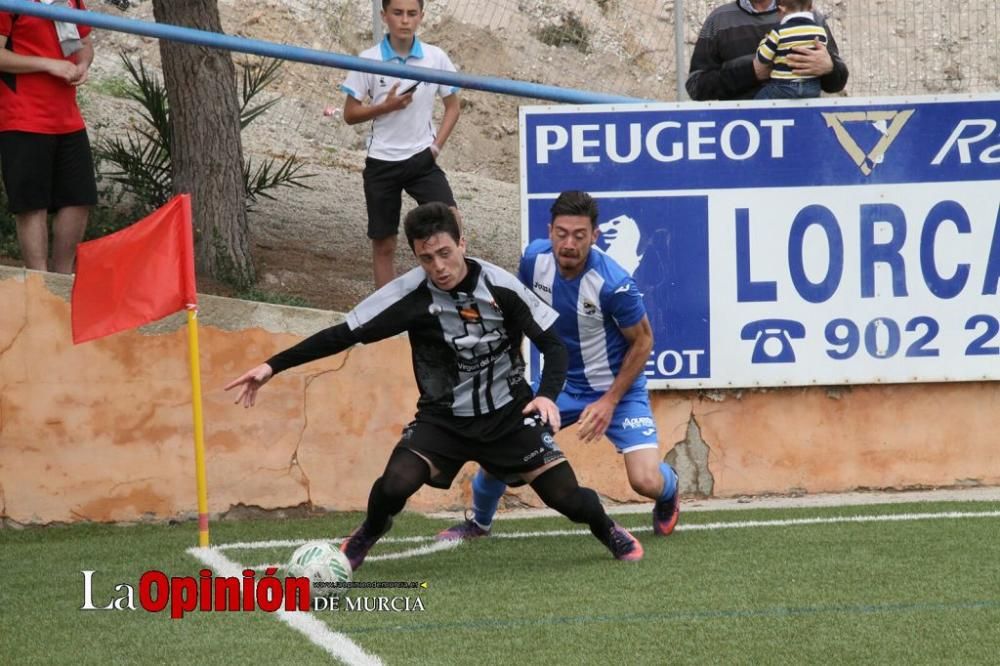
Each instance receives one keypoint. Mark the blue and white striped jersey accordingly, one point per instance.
(593, 308)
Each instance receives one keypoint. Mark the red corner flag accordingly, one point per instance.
(137, 275)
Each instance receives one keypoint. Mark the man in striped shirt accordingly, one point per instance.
(466, 320)
(724, 61)
(798, 29)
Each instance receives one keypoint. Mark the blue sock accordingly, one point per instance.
(486, 494)
(669, 481)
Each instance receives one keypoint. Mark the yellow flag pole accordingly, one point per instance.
(199, 428)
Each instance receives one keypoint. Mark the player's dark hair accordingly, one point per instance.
(429, 219)
(386, 3)
(575, 202)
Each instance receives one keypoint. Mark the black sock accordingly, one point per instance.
(560, 490)
(404, 474)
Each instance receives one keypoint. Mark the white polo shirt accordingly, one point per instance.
(401, 134)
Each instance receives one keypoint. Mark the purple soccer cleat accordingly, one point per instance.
(623, 545)
(467, 529)
(361, 540)
(665, 515)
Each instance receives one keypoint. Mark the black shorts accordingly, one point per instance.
(419, 175)
(526, 446)
(47, 171)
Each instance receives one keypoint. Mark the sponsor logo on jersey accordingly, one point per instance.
(636, 422)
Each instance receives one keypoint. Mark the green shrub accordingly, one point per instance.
(140, 161)
(570, 31)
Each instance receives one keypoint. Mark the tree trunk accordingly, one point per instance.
(206, 151)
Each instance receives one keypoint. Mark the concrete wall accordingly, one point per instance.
(102, 431)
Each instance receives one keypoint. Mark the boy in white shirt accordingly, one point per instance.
(403, 145)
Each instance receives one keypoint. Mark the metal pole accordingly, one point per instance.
(377, 20)
(679, 55)
(312, 56)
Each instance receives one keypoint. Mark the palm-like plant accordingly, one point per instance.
(140, 160)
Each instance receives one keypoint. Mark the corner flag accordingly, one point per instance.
(136, 276)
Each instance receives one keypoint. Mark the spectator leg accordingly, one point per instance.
(33, 238)
(383, 255)
(67, 232)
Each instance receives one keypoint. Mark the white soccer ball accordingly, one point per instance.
(324, 565)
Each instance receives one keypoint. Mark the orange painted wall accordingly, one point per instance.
(102, 431)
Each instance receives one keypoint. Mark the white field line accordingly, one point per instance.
(791, 522)
(287, 543)
(741, 524)
(335, 644)
(811, 501)
(434, 547)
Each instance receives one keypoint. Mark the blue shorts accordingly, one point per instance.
(632, 426)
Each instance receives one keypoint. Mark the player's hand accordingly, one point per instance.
(546, 409)
(595, 419)
(249, 383)
(394, 102)
(63, 70)
(812, 60)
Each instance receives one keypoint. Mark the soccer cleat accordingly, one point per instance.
(623, 545)
(665, 515)
(357, 545)
(467, 529)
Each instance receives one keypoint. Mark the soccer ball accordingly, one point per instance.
(324, 565)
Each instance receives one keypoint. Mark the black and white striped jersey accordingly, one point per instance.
(465, 343)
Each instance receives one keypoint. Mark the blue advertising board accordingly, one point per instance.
(826, 241)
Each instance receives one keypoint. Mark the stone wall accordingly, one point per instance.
(102, 431)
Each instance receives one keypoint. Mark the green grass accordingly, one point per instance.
(116, 85)
(916, 592)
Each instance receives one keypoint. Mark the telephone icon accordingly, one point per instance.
(772, 337)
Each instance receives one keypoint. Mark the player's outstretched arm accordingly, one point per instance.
(249, 383)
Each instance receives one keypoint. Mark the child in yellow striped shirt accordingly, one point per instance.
(798, 28)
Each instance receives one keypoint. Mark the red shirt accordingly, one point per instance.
(38, 102)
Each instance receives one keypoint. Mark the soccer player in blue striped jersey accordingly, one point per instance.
(603, 323)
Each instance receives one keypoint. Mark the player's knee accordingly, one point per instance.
(648, 483)
(398, 486)
(575, 502)
(580, 505)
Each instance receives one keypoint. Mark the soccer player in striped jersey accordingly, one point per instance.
(465, 319)
(603, 323)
